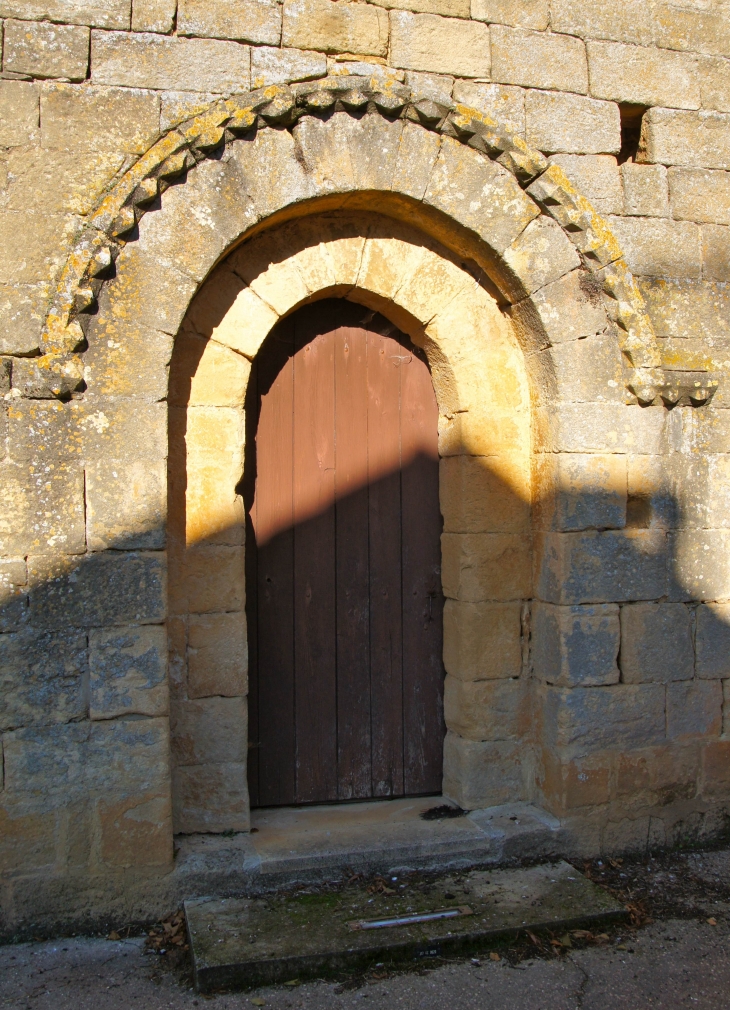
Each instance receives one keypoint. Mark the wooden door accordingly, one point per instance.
(344, 599)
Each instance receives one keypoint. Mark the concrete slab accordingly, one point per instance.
(240, 942)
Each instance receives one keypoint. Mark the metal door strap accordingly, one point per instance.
(408, 920)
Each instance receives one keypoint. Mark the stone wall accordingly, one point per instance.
(622, 618)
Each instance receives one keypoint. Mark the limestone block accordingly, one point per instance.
(450, 8)
(694, 708)
(75, 118)
(429, 286)
(478, 567)
(479, 194)
(208, 731)
(587, 370)
(126, 504)
(482, 641)
(571, 123)
(176, 655)
(483, 774)
(19, 113)
(475, 498)
(13, 593)
(136, 831)
(597, 177)
(111, 14)
(534, 60)
(715, 765)
(517, 13)
(33, 245)
(680, 308)
(716, 252)
(712, 641)
(692, 139)
(27, 840)
(705, 432)
(21, 316)
(696, 27)
(541, 254)
(111, 365)
(248, 20)
(646, 191)
(502, 102)
(439, 45)
(565, 310)
(656, 643)
(109, 430)
(598, 567)
(487, 709)
(217, 655)
(652, 775)
(580, 491)
(657, 247)
(575, 646)
(700, 565)
(245, 325)
(96, 590)
(145, 60)
(128, 671)
(61, 181)
(568, 785)
(282, 66)
(270, 172)
(153, 15)
(643, 75)
(651, 499)
(629, 21)
(587, 720)
(436, 87)
(698, 195)
(46, 50)
(207, 579)
(335, 27)
(43, 678)
(210, 798)
(207, 374)
(714, 83)
(177, 106)
(215, 441)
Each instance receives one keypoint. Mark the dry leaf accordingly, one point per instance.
(114, 935)
(293, 981)
(257, 1001)
(565, 940)
(494, 956)
(711, 921)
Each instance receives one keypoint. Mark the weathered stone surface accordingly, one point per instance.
(541, 254)
(27, 841)
(61, 181)
(217, 655)
(695, 27)
(712, 641)
(248, 20)
(680, 308)
(575, 646)
(567, 785)
(517, 13)
(476, 498)
(21, 316)
(588, 370)
(19, 112)
(482, 641)
(538, 61)
(332, 27)
(449, 8)
(42, 505)
(629, 21)
(483, 774)
(13, 593)
(153, 15)
(111, 14)
(208, 731)
(486, 709)
(714, 83)
(597, 177)
(502, 102)
(126, 504)
(480, 194)
(580, 491)
(485, 566)
(210, 798)
(588, 720)
(601, 567)
(46, 50)
(656, 643)
(128, 671)
(43, 678)
(440, 45)
(75, 118)
(694, 708)
(716, 252)
(146, 60)
(571, 123)
(33, 245)
(715, 765)
(646, 191)
(207, 374)
(700, 565)
(207, 580)
(651, 499)
(436, 87)
(564, 310)
(177, 106)
(697, 195)
(692, 139)
(652, 775)
(96, 590)
(657, 247)
(643, 75)
(281, 66)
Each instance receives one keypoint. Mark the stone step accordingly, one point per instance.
(313, 931)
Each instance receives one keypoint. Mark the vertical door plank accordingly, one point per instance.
(314, 568)
(272, 518)
(353, 575)
(251, 557)
(385, 565)
(422, 595)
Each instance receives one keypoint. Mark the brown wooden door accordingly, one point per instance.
(343, 563)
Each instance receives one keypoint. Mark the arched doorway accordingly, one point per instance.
(344, 599)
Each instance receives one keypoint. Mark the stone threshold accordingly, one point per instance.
(311, 932)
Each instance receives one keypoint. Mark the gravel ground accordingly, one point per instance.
(675, 954)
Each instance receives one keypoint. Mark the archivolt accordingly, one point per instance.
(59, 371)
